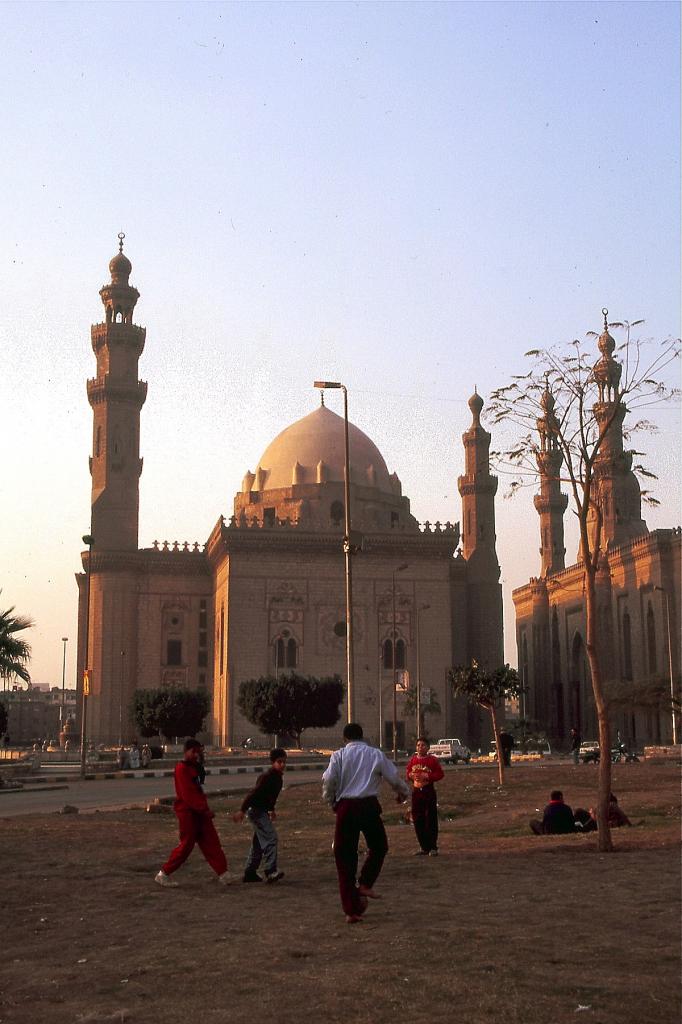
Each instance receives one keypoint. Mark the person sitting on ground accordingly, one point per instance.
(587, 820)
(557, 818)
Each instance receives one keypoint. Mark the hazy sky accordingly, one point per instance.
(404, 197)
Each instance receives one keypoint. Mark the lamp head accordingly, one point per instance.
(327, 384)
(89, 540)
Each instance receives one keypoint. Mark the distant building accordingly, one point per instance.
(265, 594)
(36, 713)
(639, 580)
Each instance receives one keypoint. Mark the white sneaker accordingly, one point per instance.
(163, 879)
(227, 878)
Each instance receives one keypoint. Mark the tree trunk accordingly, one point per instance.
(498, 748)
(593, 657)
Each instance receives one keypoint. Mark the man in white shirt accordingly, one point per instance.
(351, 785)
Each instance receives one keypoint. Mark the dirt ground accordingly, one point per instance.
(502, 927)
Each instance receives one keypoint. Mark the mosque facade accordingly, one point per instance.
(638, 588)
(266, 593)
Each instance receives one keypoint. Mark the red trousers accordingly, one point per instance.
(352, 818)
(196, 829)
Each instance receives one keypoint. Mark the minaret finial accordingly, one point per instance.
(605, 314)
(121, 236)
(322, 398)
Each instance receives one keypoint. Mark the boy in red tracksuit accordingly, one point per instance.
(195, 819)
(423, 769)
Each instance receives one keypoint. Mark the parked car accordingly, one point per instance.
(450, 750)
(589, 751)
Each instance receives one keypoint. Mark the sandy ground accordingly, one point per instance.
(502, 927)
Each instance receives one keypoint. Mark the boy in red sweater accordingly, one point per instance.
(195, 819)
(423, 769)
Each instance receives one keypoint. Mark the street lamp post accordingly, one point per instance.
(422, 608)
(347, 547)
(89, 540)
(65, 640)
(394, 662)
(120, 702)
(380, 666)
(670, 663)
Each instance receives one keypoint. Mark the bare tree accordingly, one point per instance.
(569, 413)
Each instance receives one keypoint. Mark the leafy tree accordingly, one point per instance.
(169, 712)
(181, 712)
(569, 407)
(3, 719)
(291, 703)
(488, 690)
(15, 652)
(143, 712)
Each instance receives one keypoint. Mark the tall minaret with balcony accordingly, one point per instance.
(550, 502)
(477, 488)
(618, 491)
(116, 396)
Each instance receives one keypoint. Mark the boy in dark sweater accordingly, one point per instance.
(259, 807)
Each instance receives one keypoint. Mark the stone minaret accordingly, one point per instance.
(550, 502)
(483, 591)
(478, 488)
(116, 396)
(618, 490)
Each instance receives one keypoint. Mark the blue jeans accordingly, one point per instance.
(264, 842)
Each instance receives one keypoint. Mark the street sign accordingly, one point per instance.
(86, 682)
(426, 695)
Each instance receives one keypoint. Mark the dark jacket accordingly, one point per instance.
(263, 796)
(557, 818)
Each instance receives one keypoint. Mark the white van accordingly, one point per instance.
(450, 750)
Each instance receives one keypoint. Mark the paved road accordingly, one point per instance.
(109, 794)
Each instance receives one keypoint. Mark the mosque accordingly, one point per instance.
(638, 588)
(266, 592)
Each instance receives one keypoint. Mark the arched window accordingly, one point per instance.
(336, 513)
(286, 652)
(556, 676)
(400, 653)
(387, 654)
(627, 646)
(577, 672)
(651, 640)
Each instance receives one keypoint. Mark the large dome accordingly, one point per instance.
(312, 451)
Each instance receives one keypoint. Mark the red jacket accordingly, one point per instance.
(189, 796)
(427, 764)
